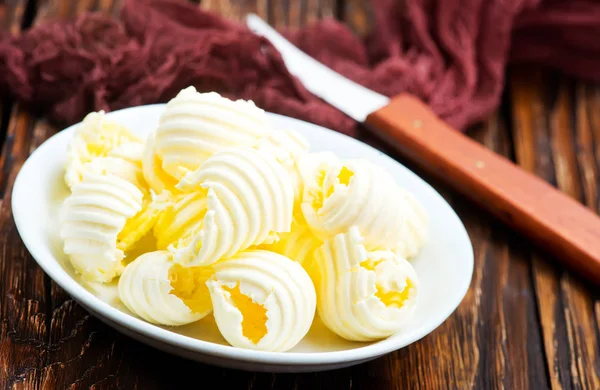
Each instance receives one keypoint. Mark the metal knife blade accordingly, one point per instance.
(347, 96)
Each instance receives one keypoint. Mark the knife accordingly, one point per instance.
(556, 222)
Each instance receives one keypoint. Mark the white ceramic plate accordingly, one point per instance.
(444, 266)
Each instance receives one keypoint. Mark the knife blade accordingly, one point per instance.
(559, 224)
(330, 86)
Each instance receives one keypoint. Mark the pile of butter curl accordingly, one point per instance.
(218, 212)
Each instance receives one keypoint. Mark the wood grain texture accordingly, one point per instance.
(514, 336)
(238, 9)
(545, 133)
(13, 16)
(587, 143)
(592, 99)
(23, 326)
(358, 15)
(524, 323)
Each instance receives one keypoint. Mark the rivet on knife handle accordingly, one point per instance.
(561, 225)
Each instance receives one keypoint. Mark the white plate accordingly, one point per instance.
(444, 266)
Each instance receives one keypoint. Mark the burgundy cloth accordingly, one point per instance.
(450, 53)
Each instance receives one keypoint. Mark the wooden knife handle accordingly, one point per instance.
(555, 221)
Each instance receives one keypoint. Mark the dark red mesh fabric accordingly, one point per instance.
(450, 53)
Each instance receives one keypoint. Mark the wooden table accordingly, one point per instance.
(525, 322)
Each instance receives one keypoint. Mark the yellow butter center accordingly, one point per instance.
(389, 298)
(394, 298)
(254, 323)
(345, 175)
(189, 285)
(163, 176)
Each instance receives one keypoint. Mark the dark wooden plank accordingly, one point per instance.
(279, 13)
(23, 320)
(237, 9)
(510, 332)
(12, 16)
(545, 135)
(585, 146)
(116, 6)
(529, 125)
(578, 299)
(358, 14)
(294, 14)
(48, 10)
(592, 97)
(318, 9)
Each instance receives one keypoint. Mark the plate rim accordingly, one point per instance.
(194, 345)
